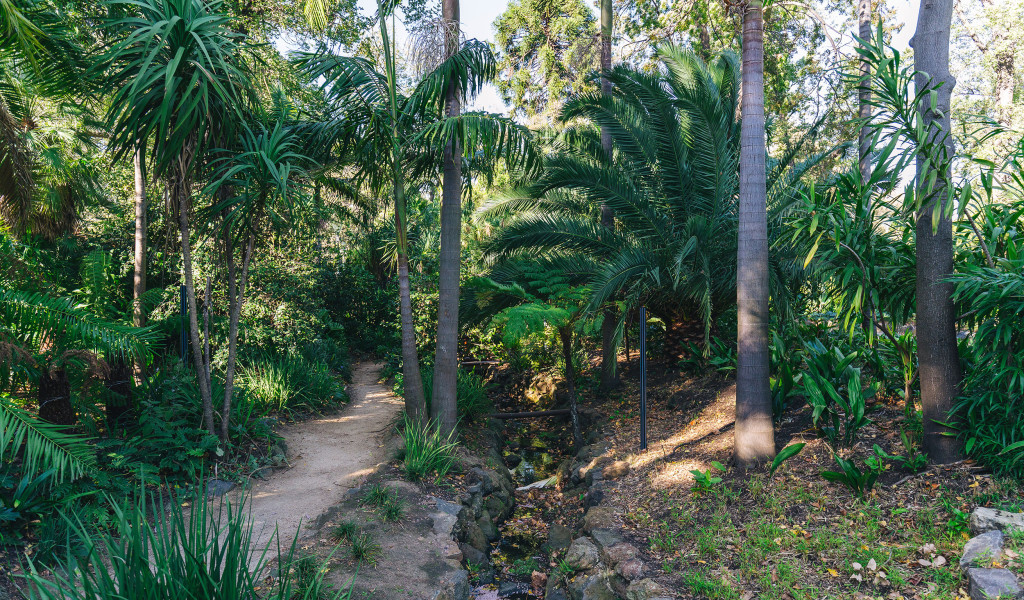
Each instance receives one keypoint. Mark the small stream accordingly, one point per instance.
(533, 451)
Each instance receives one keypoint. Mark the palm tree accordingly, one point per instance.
(400, 138)
(444, 401)
(672, 186)
(755, 434)
(261, 182)
(174, 75)
(609, 375)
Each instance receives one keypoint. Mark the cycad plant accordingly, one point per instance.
(400, 139)
(672, 184)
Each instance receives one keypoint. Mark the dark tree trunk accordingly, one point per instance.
(444, 401)
(565, 334)
(755, 435)
(55, 398)
(119, 405)
(609, 358)
(236, 296)
(938, 358)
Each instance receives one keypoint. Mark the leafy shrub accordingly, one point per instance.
(990, 414)
(838, 409)
(289, 382)
(704, 480)
(785, 376)
(191, 553)
(427, 450)
(859, 482)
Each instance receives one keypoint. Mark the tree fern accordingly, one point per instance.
(46, 446)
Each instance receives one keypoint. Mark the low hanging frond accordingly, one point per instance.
(46, 446)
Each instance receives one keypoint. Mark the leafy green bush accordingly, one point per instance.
(427, 450)
(990, 414)
(190, 553)
(859, 482)
(837, 409)
(289, 382)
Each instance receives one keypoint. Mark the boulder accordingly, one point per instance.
(453, 586)
(988, 519)
(616, 470)
(444, 523)
(605, 539)
(583, 554)
(473, 556)
(982, 550)
(487, 526)
(559, 538)
(989, 584)
(599, 517)
(620, 552)
(476, 538)
(630, 569)
(449, 507)
(646, 589)
(216, 488)
(593, 586)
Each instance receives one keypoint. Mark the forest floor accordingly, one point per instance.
(327, 457)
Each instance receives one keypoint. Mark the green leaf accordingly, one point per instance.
(786, 453)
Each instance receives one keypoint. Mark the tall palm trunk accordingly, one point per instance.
(181, 191)
(864, 112)
(609, 372)
(755, 436)
(938, 359)
(139, 280)
(444, 405)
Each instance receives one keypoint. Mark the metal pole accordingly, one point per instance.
(184, 334)
(643, 378)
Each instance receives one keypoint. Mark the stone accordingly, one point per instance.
(982, 550)
(599, 517)
(616, 470)
(555, 594)
(605, 538)
(583, 554)
(444, 523)
(487, 526)
(538, 581)
(989, 584)
(987, 519)
(559, 538)
(620, 552)
(473, 556)
(512, 588)
(594, 497)
(630, 569)
(595, 586)
(646, 589)
(512, 460)
(454, 586)
(449, 507)
(498, 505)
(216, 488)
(476, 538)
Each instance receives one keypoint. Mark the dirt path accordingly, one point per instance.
(328, 456)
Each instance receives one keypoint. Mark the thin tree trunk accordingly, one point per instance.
(55, 398)
(609, 360)
(755, 435)
(139, 280)
(938, 359)
(1004, 86)
(864, 20)
(207, 300)
(565, 333)
(236, 297)
(444, 397)
(181, 191)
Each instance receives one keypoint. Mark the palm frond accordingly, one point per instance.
(46, 446)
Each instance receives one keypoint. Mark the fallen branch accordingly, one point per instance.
(561, 412)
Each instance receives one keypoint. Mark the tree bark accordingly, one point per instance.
(938, 358)
(55, 398)
(444, 397)
(609, 358)
(139, 279)
(755, 435)
(181, 192)
(864, 113)
(1004, 86)
(565, 334)
(236, 297)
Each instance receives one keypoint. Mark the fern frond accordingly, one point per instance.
(46, 446)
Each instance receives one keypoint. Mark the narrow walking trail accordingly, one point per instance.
(328, 456)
